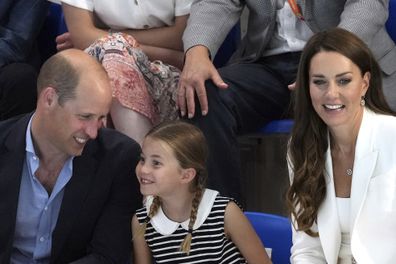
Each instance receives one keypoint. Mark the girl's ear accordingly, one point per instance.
(188, 175)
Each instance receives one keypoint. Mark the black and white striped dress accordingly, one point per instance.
(209, 243)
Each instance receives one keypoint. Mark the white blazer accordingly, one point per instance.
(373, 202)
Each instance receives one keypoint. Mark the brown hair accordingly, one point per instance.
(308, 143)
(59, 73)
(190, 149)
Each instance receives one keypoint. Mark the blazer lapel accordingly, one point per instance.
(76, 191)
(364, 164)
(12, 157)
(307, 9)
(328, 223)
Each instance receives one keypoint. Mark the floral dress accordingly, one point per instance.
(147, 87)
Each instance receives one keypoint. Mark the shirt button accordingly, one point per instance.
(42, 239)
(34, 158)
(46, 208)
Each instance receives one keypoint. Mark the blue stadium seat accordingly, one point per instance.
(281, 126)
(275, 233)
(54, 25)
(228, 47)
(391, 23)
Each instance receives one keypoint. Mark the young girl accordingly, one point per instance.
(182, 221)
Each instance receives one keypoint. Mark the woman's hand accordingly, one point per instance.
(63, 42)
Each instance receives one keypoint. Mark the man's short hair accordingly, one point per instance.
(57, 72)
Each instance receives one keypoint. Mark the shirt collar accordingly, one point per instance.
(165, 226)
(31, 153)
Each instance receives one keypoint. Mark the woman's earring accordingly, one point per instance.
(362, 101)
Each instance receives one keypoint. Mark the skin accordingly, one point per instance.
(61, 131)
(164, 43)
(159, 173)
(336, 89)
(197, 69)
(238, 228)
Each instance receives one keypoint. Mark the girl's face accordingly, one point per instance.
(336, 87)
(158, 171)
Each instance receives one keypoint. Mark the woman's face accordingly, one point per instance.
(336, 87)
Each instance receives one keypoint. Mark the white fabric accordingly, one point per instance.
(291, 33)
(344, 207)
(135, 14)
(373, 202)
(165, 226)
(345, 254)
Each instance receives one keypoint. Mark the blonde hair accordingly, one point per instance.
(190, 149)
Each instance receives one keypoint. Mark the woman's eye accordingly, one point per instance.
(344, 81)
(319, 82)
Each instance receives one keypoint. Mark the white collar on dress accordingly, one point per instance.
(163, 225)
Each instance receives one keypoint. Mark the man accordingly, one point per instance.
(20, 25)
(253, 88)
(67, 185)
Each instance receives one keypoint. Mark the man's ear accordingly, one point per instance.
(188, 175)
(49, 96)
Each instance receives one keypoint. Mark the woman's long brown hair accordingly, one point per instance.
(308, 142)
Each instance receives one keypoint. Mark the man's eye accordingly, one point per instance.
(85, 117)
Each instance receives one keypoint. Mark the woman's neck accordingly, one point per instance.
(343, 138)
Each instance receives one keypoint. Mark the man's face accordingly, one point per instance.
(72, 124)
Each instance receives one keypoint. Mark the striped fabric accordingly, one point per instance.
(209, 243)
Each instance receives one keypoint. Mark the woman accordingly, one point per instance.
(342, 156)
(140, 45)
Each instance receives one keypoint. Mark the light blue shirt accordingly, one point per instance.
(37, 212)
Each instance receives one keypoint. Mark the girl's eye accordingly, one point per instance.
(156, 163)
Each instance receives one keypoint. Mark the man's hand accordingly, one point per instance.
(197, 69)
(64, 42)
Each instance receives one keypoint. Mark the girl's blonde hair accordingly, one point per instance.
(190, 149)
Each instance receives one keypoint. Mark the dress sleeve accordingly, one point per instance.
(182, 7)
(83, 4)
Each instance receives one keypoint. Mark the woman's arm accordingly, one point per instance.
(141, 252)
(163, 43)
(81, 26)
(240, 231)
(169, 37)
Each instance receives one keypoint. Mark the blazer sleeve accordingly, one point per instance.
(364, 17)
(209, 23)
(22, 26)
(305, 249)
(111, 241)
